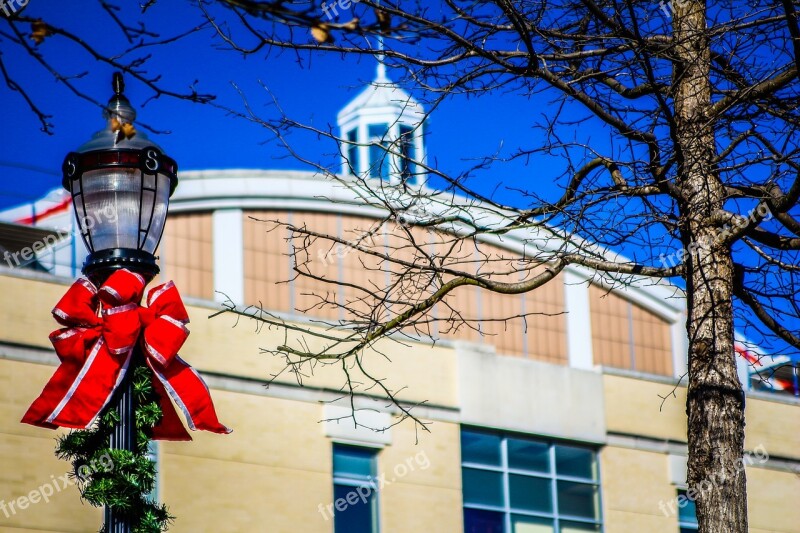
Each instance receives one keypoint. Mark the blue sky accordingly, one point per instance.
(310, 89)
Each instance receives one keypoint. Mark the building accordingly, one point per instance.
(574, 421)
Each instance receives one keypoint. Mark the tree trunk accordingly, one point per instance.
(715, 403)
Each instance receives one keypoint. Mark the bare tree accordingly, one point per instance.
(698, 106)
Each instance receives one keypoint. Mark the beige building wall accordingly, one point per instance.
(772, 501)
(424, 498)
(274, 471)
(647, 408)
(268, 475)
(639, 496)
(633, 483)
(651, 413)
(28, 467)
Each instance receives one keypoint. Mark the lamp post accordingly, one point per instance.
(120, 184)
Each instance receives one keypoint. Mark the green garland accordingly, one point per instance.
(120, 479)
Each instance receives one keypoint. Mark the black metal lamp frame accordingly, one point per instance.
(149, 161)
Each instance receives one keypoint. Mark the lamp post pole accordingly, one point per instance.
(123, 438)
(120, 183)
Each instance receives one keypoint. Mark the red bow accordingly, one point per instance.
(96, 351)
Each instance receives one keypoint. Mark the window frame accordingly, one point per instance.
(382, 168)
(552, 476)
(154, 454)
(352, 149)
(683, 525)
(408, 153)
(354, 481)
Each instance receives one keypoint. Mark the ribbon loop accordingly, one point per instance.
(78, 307)
(121, 327)
(122, 287)
(96, 352)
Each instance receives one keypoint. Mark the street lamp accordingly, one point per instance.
(120, 184)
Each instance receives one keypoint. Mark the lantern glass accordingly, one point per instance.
(121, 208)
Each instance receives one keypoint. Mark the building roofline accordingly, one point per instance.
(212, 189)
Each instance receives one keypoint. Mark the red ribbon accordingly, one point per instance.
(96, 352)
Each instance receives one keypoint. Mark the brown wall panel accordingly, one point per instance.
(185, 254)
(625, 335)
(364, 275)
(266, 260)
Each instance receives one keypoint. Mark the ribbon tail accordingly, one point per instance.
(74, 401)
(51, 395)
(189, 392)
(170, 426)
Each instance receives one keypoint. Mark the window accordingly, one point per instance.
(515, 484)
(687, 513)
(378, 155)
(407, 153)
(352, 152)
(152, 454)
(355, 498)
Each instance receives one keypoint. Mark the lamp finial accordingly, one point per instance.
(118, 84)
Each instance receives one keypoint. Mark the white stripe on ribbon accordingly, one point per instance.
(155, 353)
(174, 395)
(139, 277)
(112, 292)
(75, 384)
(88, 284)
(69, 333)
(61, 314)
(117, 310)
(175, 322)
(120, 309)
(120, 377)
(190, 367)
(153, 296)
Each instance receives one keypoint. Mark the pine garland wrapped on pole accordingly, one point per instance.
(120, 479)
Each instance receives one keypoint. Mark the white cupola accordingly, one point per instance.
(381, 132)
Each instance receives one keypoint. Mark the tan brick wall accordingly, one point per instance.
(635, 407)
(186, 255)
(27, 461)
(275, 469)
(627, 336)
(772, 501)
(424, 499)
(268, 475)
(633, 484)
